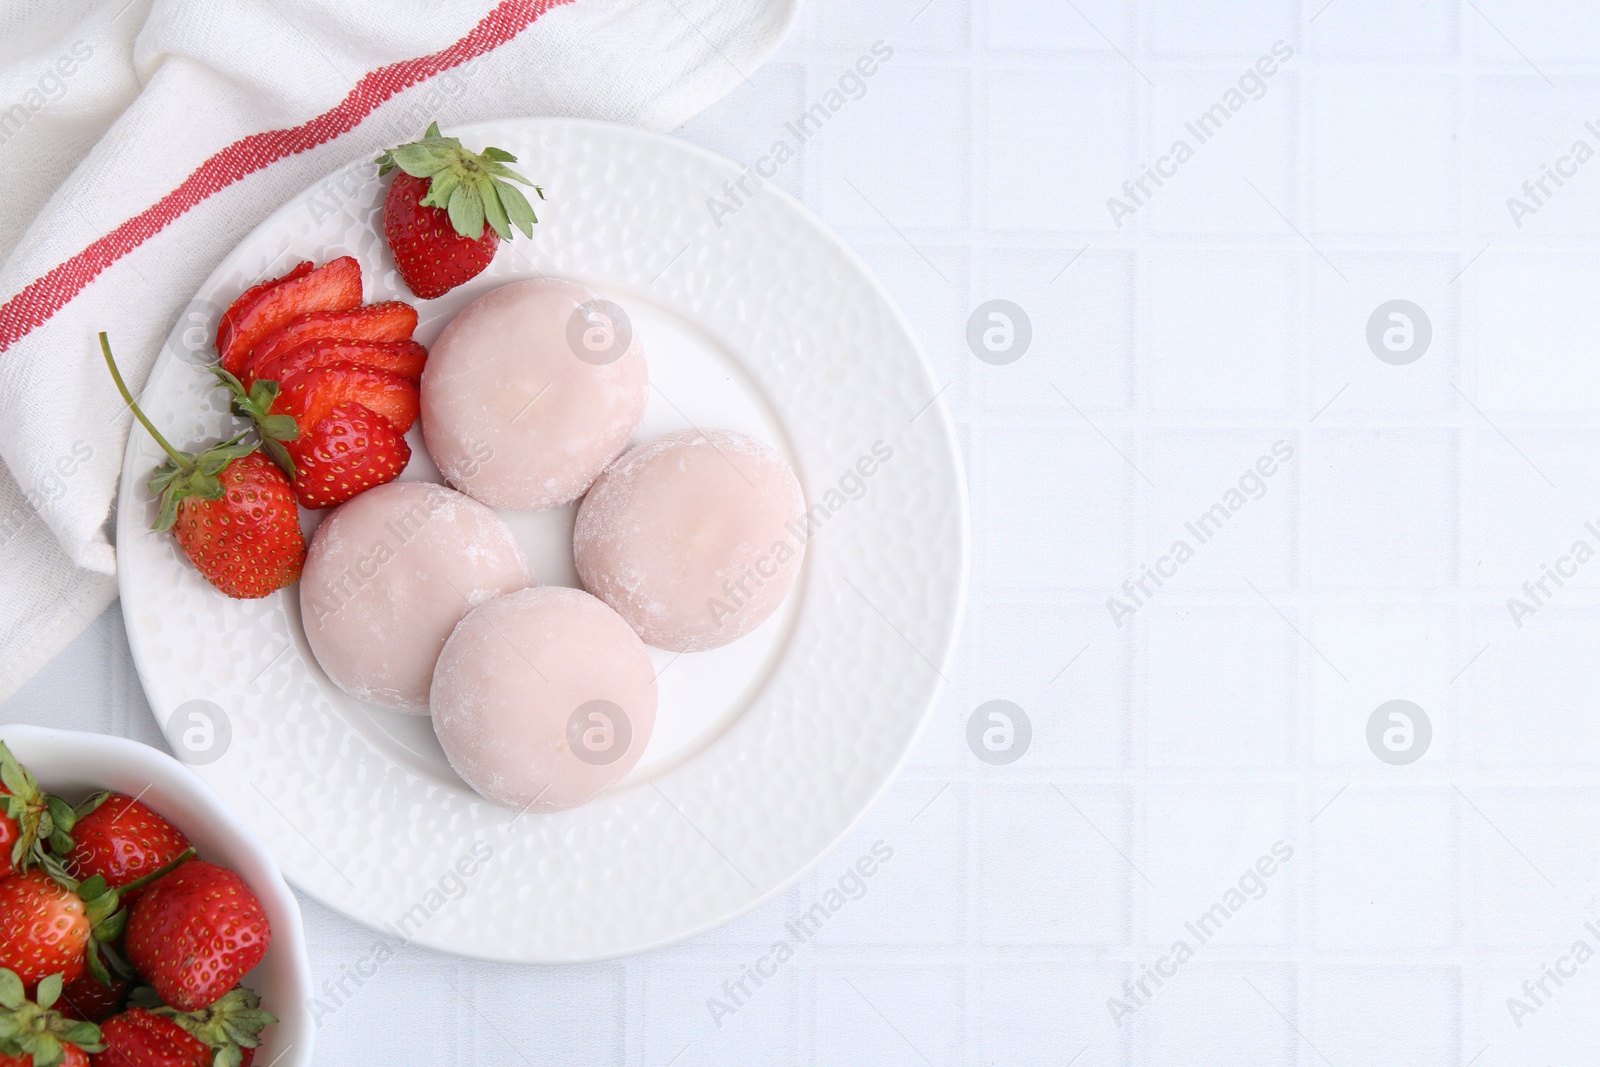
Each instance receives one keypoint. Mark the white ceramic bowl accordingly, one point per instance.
(75, 764)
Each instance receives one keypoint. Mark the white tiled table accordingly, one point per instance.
(1229, 711)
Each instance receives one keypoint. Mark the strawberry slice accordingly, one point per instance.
(405, 358)
(331, 445)
(388, 321)
(309, 395)
(249, 298)
(334, 286)
(344, 449)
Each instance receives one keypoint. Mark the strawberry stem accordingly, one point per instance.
(138, 883)
(183, 462)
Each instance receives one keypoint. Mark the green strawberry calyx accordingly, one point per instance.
(255, 404)
(40, 819)
(471, 187)
(31, 1028)
(231, 1025)
(184, 474)
(91, 804)
(102, 905)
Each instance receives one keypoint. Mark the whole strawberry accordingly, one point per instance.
(139, 1038)
(44, 929)
(89, 999)
(10, 837)
(230, 1028)
(230, 508)
(246, 541)
(447, 210)
(71, 1056)
(121, 840)
(50, 927)
(29, 819)
(32, 1034)
(195, 934)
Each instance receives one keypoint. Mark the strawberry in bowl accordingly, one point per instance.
(34, 1034)
(150, 926)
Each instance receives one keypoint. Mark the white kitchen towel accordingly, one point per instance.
(140, 139)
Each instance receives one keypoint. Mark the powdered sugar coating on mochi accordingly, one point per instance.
(510, 413)
(695, 538)
(389, 574)
(543, 699)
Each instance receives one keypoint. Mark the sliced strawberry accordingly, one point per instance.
(388, 321)
(334, 286)
(249, 298)
(405, 358)
(345, 449)
(311, 394)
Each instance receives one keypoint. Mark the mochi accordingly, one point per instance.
(694, 538)
(543, 699)
(530, 391)
(388, 575)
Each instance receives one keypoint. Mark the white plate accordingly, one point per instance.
(766, 752)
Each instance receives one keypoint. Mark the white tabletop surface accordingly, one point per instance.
(1217, 721)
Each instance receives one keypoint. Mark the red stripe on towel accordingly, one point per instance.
(46, 295)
